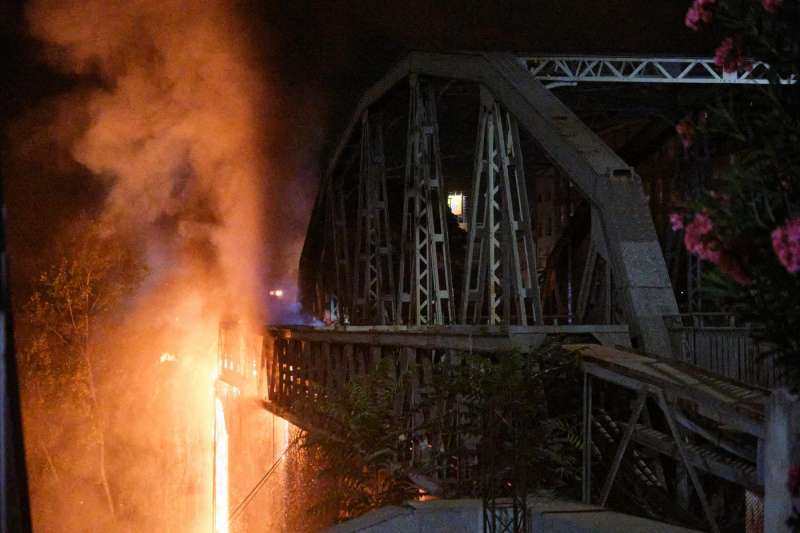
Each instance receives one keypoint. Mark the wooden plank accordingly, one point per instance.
(274, 369)
(415, 394)
(402, 378)
(305, 363)
(375, 354)
(348, 367)
(326, 380)
(314, 369)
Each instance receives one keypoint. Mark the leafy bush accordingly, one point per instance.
(493, 424)
(747, 221)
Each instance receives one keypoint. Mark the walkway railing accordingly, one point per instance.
(302, 364)
(717, 342)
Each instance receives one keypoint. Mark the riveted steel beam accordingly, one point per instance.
(500, 279)
(611, 186)
(425, 294)
(374, 290)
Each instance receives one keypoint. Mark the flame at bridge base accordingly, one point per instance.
(221, 504)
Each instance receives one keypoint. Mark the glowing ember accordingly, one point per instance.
(167, 357)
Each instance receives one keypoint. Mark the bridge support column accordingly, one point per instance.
(780, 441)
(425, 293)
(337, 291)
(374, 289)
(500, 283)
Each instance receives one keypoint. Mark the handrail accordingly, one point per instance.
(730, 350)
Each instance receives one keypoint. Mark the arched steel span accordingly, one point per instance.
(624, 234)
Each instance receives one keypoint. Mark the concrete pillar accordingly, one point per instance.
(780, 437)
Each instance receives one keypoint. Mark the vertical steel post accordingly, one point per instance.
(425, 293)
(586, 478)
(587, 283)
(500, 279)
(339, 294)
(373, 291)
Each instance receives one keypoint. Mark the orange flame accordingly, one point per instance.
(221, 504)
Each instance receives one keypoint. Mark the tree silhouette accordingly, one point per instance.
(95, 271)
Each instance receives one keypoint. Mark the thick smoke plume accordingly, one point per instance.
(175, 129)
(168, 112)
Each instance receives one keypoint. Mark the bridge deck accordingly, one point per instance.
(452, 337)
(725, 418)
(723, 400)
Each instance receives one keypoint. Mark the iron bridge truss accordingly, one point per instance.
(499, 288)
(557, 70)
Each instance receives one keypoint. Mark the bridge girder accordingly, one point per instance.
(612, 188)
(374, 289)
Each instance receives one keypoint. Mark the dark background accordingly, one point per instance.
(318, 57)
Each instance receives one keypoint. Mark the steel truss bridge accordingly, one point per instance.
(391, 274)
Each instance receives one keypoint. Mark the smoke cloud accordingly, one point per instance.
(169, 115)
(175, 129)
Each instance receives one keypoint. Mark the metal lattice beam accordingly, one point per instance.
(337, 295)
(374, 289)
(642, 286)
(500, 281)
(558, 69)
(425, 295)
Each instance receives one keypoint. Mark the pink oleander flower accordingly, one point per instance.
(685, 130)
(700, 11)
(701, 224)
(709, 252)
(772, 5)
(729, 57)
(698, 239)
(692, 19)
(786, 243)
(676, 220)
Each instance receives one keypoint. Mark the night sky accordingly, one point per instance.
(319, 56)
(329, 52)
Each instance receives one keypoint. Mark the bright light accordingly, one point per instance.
(167, 357)
(220, 470)
(277, 293)
(455, 201)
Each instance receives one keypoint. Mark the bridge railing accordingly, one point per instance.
(720, 343)
(302, 364)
